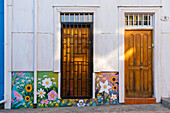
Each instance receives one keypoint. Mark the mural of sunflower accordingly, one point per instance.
(114, 79)
(28, 88)
(27, 98)
(115, 87)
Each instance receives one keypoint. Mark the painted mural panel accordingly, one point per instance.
(107, 88)
(22, 90)
(106, 91)
(107, 85)
(47, 89)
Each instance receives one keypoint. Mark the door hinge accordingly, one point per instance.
(153, 45)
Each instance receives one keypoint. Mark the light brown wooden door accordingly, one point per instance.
(138, 63)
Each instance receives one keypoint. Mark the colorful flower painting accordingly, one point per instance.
(106, 91)
(47, 82)
(41, 93)
(52, 95)
(104, 87)
(81, 103)
(22, 90)
(107, 88)
(47, 89)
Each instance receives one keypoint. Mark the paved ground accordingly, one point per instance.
(152, 108)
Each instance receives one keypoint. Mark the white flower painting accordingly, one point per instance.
(104, 87)
(47, 82)
(41, 93)
(114, 97)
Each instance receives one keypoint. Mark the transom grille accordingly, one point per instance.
(138, 19)
(76, 17)
(76, 59)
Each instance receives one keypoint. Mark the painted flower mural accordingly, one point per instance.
(17, 95)
(47, 82)
(45, 101)
(41, 93)
(104, 87)
(52, 95)
(47, 89)
(27, 98)
(81, 103)
(22, 90)
(114, 79)
(106, 91)
(28, 88)
(114, 97)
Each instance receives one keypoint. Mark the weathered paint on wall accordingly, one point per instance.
(1, 49)
(22, 90)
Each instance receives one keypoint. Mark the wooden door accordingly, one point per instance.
(77, 60)
(138, 63)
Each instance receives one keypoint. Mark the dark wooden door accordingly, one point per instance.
(76, 67)
(138, 63)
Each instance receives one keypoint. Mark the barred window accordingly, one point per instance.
(76, 17)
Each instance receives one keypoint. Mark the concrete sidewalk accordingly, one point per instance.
(146, 108)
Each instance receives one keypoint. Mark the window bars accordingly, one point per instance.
(76, 17)
(138, 19)
(76, 55)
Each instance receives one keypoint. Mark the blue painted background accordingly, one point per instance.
(1, 49)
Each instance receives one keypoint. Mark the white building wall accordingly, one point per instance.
(165, 42)
(106, 46)
(22, 35)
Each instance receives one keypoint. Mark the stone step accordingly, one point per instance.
(166, 102)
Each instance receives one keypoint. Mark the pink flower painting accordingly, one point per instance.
(52, 95)
(12, 100)
(45, 101)
(20, 73)
(22, 76)
(18, 96)
(17, 78)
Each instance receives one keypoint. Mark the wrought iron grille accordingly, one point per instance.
(77, 59)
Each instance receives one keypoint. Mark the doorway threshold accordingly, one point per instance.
(140, 100)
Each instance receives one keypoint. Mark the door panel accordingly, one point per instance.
(76, 60)
(138, 63)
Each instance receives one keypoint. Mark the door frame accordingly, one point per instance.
(57, 38)
(156, 11)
